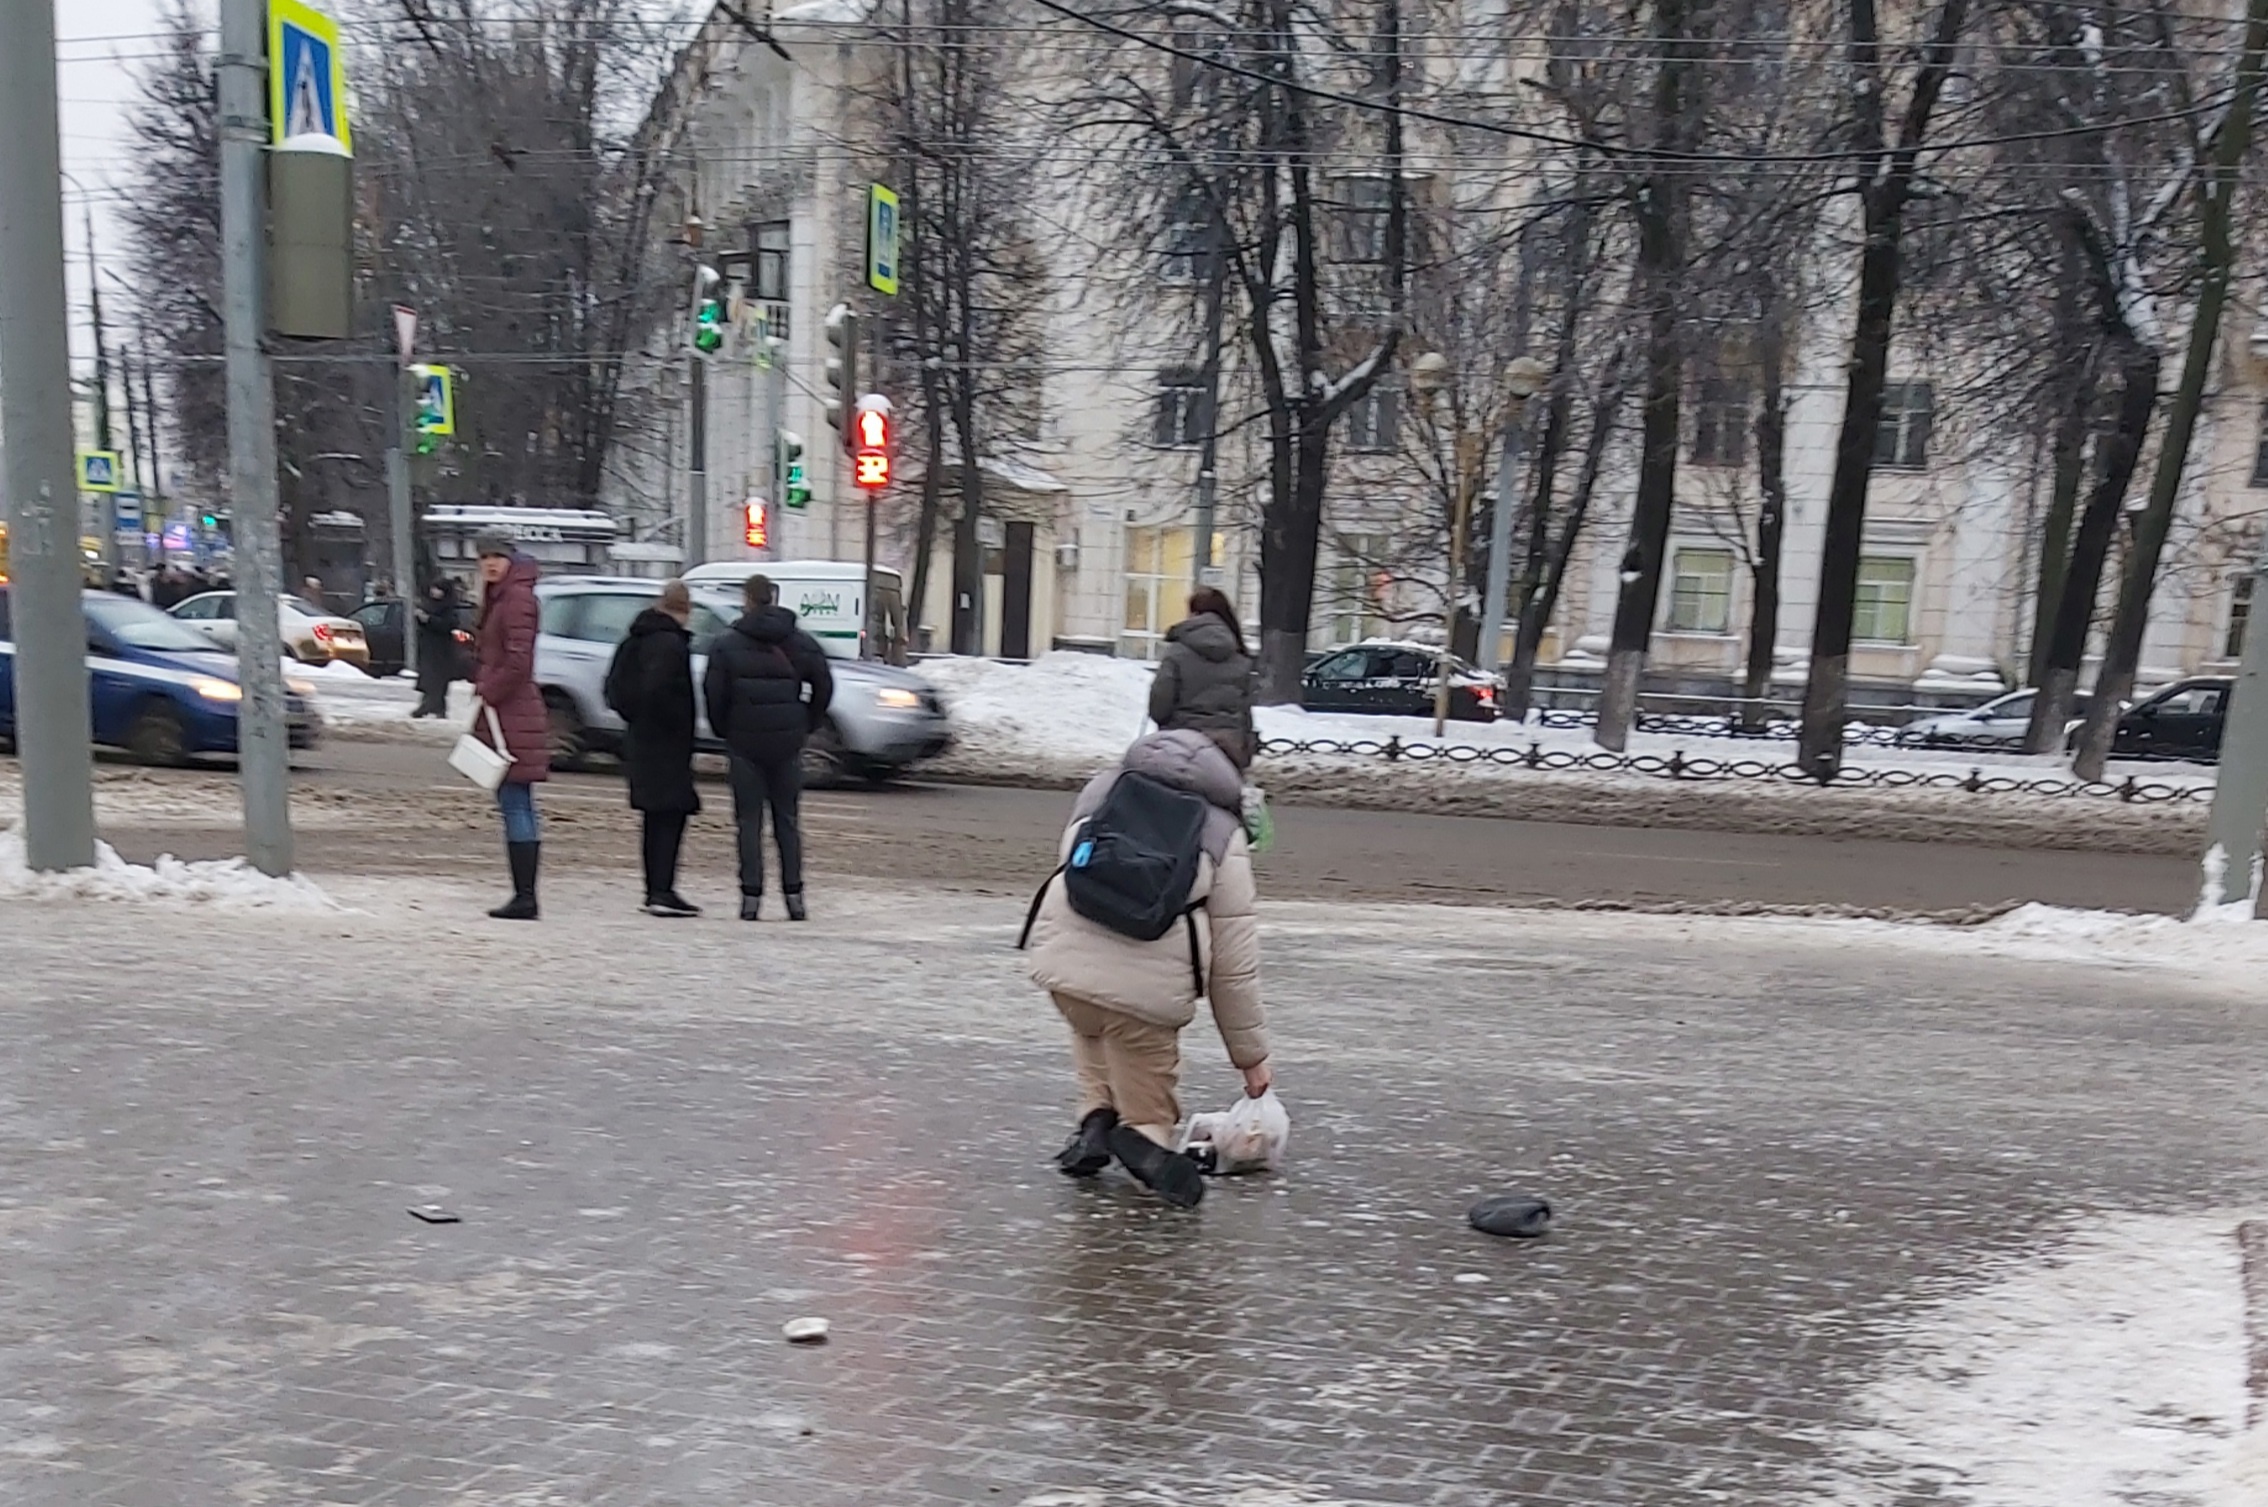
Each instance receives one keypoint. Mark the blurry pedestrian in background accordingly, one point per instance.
(650, 687)
(1204, 679)
(767, 688)
(438, 618)
(504, 681)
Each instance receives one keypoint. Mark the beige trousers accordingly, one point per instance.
(1125, 1064)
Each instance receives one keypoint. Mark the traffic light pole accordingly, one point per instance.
(263, 742)
(42, 490)
(406, 584)
(2240, 792)
(697, 466)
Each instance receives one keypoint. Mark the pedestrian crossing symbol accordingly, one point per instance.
(98, 471)
(306, 74)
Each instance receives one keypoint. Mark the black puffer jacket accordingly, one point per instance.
(1204, 684)
(754, 686)
(650, 686)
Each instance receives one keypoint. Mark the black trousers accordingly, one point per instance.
(664, 835)
(778, 787)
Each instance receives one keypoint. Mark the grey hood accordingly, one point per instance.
(1207, 635)
(1189, 761)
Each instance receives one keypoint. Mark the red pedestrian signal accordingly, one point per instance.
(870, 454)
(759, 530)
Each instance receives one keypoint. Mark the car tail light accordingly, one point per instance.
(322, 633)
(1484, 695)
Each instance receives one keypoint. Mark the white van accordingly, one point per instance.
(828, 598)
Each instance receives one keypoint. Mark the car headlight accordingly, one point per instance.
(300, 687)
(217, 690)
(896, 699)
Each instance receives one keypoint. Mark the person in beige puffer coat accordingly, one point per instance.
(1127, 1000)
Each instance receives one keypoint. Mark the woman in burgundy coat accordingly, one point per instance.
(504, 680)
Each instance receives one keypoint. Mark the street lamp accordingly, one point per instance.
(1524, 377)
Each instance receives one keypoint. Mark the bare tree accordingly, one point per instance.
(1886, 168)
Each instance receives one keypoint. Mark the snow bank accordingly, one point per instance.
(1067, 714)
(1063, 714)
(2109, 1369)
(231, 884)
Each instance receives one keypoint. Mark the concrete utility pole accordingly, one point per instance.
(2240, 793)
(406, 584)
(108, 501)
(697, 419)
(42, 491)
(1523, 379)
(263, 740)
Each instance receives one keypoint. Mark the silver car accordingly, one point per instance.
(882, 718)
(1999, 723)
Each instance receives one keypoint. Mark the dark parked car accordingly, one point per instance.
(1396, 680)
(382, 622)
(2183, 721)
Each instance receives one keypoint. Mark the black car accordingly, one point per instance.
(2183, 721)
(383, 620)
(1396, 680)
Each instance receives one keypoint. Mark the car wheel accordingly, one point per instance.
(878, 775)
(159, 736)
(823, 763)
(570, 740)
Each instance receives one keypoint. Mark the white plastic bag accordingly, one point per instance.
(1250, 1136)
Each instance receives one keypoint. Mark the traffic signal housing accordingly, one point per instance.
(795, 486)
(708, 313)
(842, 373)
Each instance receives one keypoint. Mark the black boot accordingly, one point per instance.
(524, 858)
(751, 907)
(1169, 1174)
(1089, 1149)
(795, 906)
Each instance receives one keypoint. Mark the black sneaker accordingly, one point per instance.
(1169, 1174)
(1088, 1151)
(795, 907)
(751, 907)
(672, 905)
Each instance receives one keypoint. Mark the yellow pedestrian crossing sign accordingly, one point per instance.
(98, 471)
(881, 239)
(306, 74)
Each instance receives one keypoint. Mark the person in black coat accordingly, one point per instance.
(767, 689)
(437, 619)
(650, 686)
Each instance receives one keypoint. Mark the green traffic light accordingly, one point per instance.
(708, 328)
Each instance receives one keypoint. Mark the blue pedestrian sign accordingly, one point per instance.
(98, 471)
(306, 74)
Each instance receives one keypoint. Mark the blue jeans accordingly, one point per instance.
(517, 801)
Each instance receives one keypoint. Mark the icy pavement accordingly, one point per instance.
(1848, 1214)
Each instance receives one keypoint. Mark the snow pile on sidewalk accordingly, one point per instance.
(2111, 1369)
(2226, 934)
(353, 701)
(230, 884)
(1062, 715)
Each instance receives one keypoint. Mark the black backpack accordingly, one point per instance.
(1134, 863)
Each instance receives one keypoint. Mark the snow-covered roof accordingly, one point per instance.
(647, 549)
(504, 520)
(1021, 475)
(825, 13)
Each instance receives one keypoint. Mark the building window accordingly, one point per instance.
(1701, 584)
(1184, 415)
(1365, 205)
(2240, 613)
(1374, 420)
(1720, 422)
(1357, 605)
(1161, 565)
(1883, 610)
(1188, 241)
(2260, 454)
(771, 273)
(1901, 443)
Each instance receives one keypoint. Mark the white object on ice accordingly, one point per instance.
(805, 1331)
(228, 883)
(1250, 1136)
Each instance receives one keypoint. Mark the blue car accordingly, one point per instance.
(158, 689)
